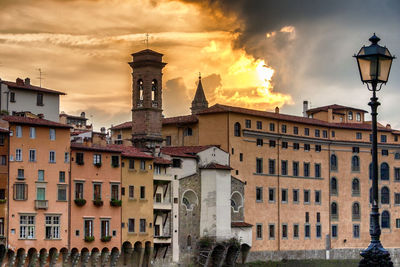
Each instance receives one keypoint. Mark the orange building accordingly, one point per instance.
(3, 184)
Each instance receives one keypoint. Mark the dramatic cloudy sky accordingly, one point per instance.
(252, 53)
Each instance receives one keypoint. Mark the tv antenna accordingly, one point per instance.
(40, 77)
(146, 40)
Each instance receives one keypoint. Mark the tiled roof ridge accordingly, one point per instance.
(333, 107)
(170, 120)
(32, 87)
(34, 121)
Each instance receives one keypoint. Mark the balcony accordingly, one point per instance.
(162, 177)
(162, 239)
(41, 204)
(162, 205)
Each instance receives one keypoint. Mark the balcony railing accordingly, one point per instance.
(41, 204)
(162, 177)
(162, 205)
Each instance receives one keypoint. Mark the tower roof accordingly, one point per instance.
(199, 101)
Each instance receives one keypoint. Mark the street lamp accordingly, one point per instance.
(374, 64)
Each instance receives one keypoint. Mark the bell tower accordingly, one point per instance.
(147, 68)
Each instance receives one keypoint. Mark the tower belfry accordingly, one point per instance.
(147, 68)
(199, 102)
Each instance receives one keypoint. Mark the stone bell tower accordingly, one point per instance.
(147, 68)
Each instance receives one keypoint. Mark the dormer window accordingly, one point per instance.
(350, 116)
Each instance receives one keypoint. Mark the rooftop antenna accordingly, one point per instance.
(146, 40)
(40, 77)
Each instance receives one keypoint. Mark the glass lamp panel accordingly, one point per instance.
(365, 68)
(384, 67)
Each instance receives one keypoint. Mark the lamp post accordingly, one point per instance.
(374, 64)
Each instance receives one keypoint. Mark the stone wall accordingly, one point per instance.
(237, 186)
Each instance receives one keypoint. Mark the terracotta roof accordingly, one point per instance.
(184, 151)
(334, 107)
(21, 85)
(162, 161)
(93, 147)
(147, 51)
(3, 130)
(217, 166)
(34, 121)
(131, 152)
(165, 121)
(240, 224)
(125, 125)
(218, 108)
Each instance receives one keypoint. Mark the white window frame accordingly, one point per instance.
(32, 132)
(52, 159)
(27, 226)
(18, 154)
(32, 155)
(52, 134)
(18, 131)
(52, 222)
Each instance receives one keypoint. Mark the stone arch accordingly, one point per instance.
(236, 201)
(53, 256)
(154, 90)
(64, 256)
(126, 252)
(85, 255)
(43, 254)
(232, 255)
(147, 254)
(105, 254)
(137, 254)
(95, 255)
(32, 257)
(385, 171)
(3, 252)
(189, 199)
(217, 256)
(74, 256)
(244, 251)
(11, 257)
(21, 255)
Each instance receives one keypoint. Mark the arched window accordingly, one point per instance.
(370, 171)
(140, 89)
(236, 201)
(355, 187)
(237, 129)
(333, 162)
(385, 223)
(189, 241)
(334, 210)
(397, 155)
(350, 116)
(355, 164)
(334, 186)
(355, 211)
(154, 90)
(189, 199)
(358, 116)
(385, 195)
(384, 171)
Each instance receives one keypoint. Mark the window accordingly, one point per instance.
(52, 157)
(241, 156)
(325, 134)
(168, 140)
(356, 149)
(271, 231)
(131, 191)
(383, 138)
(62, 193)
(154, 92)
(306, 169)
(318, 217)
(78, 190)
(356, 231)
(39, 99)
(295, 195)
(306, 196)
(307, 147)
(397, 174)
(296, 146)
(358, 136)
(334, 231)
(384, 171)
(114, 192)
(358, 116)
(236, 130)
(385, 220)
(259, 232)
(318, 231)
(12, 97)
(397, 155)
(2, 194)
(20, 174)
(271, 195)
(1, 227)
(385, 152)
(248, 123)
(131, 225)
(115, 161)
(20, 191)
(334, 186)
(306, 131)
(259, 142)
(271, 166)
(61, 177)
(142, 192)
(3, 160)
(385, 195)
(284, 144)
(295, 130)
(259, 165)
(143, 165)
(259, 125)
(283, 128)
(188, 132)
(32, 132)
(307, 233)
(52, 133)
(18, 154)
(272, 127)
(142, 226)
(284, 196)
(317, 133)
(334, 166)
(334, 211)
(96, 191)
(32, 155)
(284, 168)
(40, 193)
(88, 228)
(66, 157)
(176, 163)
(317, 167)
(355, 164)
(397, 223)
(295, 231)
(317, 197)
(272, 143)
(333, 133)
(97, 159)
(295, 168)
(318, 148)
(27, 227)
(157, 168)
(105, 228)
(53, 227)
(259, 194)
(350, 116)
(397, 198)
(18, 131)
(40, 175)
(355, 187)
(355, 211)
(131, 164)
(284, 230)
(307, 217)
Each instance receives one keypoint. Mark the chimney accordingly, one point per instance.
(27, 81)
(388, 126)
(41, 116)
(19, 81)
(305, 108)
(277, 110)
(103, 130)
(83, 114)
